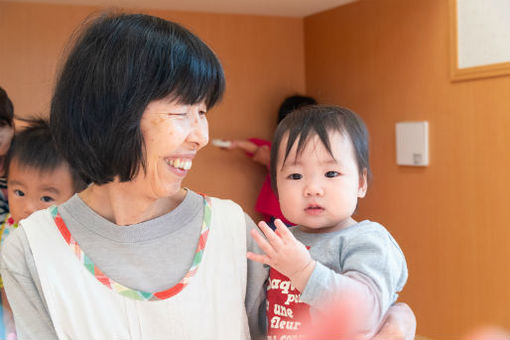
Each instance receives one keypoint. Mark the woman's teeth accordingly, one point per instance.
(184, 164)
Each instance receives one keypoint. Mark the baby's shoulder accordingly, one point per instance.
(362, 229)
(369, 232)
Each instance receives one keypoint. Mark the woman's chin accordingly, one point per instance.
(169, 190)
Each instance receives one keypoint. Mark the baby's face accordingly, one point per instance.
(317, 191)
(30, 189)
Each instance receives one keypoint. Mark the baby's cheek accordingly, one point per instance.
(288, 206)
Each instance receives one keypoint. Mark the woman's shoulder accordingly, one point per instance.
(224, 203)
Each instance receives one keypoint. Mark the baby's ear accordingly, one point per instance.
(363, 183)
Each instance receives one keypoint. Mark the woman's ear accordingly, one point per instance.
(363, 183)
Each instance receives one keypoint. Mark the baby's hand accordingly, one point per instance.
(284, 253)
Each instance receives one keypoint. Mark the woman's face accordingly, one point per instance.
(173, 133)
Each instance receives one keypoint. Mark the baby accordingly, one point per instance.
(328, 263)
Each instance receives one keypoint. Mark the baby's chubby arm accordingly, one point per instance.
(290, 257)
(284, 253)
(353, 295)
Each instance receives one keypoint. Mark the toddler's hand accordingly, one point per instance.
(284, 253)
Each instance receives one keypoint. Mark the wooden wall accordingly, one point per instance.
(388, 60)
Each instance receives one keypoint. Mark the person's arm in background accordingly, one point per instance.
(244, 144)
(262, 155)
(258, 150)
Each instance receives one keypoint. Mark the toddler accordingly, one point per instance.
(37, 177)
(319, 170)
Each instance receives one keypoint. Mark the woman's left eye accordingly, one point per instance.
(332, 174)
(47, 199)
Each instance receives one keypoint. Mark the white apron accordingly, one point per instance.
(210, 307)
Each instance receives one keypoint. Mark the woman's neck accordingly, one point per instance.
(123, 206)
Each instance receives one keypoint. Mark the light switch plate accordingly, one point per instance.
(412, 143)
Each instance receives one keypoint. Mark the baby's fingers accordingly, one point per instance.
(262, 243)
(271, 236)
(283, 231)
(257, 257)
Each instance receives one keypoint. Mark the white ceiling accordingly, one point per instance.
(288, 8)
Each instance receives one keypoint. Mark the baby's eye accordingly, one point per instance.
(47, 199)
(202, 112)
(331, 174)
(295, 176)
(19, 193)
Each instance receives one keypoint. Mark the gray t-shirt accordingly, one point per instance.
(365, 252)
(149, 256)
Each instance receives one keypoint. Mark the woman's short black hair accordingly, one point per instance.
(118, 65)
(292, 103)
(320, 120)
(35, 148)
(6, 109)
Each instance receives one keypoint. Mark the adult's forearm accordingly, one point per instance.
(399, 324)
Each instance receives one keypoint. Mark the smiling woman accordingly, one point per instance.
(129, 113)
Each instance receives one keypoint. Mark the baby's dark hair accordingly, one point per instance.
(34, 147)
(292, 103)
(320, 120)
(6, 109)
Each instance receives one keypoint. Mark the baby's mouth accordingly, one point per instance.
(314, 207)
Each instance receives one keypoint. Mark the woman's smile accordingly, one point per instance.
(180, 165)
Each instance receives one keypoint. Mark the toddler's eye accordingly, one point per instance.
(331, 174)
(47, 199)
(19, 193)
(295, 176)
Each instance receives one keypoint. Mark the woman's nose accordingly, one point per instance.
(199, 130)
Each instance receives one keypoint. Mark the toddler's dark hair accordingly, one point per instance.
(34, 147)
(6, 109)
(292, 103)
(320, 120)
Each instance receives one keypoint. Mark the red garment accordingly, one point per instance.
(267, 202)
(285, 313)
